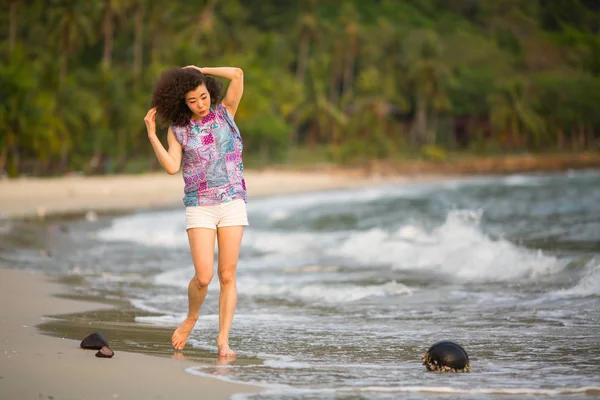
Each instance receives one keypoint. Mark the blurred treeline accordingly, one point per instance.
(328, 80)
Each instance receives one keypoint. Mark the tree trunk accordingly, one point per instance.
(589, 137)
(300, 74)
(302, 57)
(264, 153)
(334, 81)
(420, 128)
(62, 71)
(581, 137)
(207, 18)
(432, 134)
(514, 134)
(561, 139)
(349, 69)
(64, 156)
(12, 26)
(3, 157)
(13, 170)
(138, 44)
(108, 35)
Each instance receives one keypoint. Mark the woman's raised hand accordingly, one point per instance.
(193, 67)
(150, 120)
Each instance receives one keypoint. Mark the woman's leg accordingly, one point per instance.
(202, 246)
(230, 241)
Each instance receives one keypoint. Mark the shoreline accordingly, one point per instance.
(38, 366)
(77, 196)
(41, 198)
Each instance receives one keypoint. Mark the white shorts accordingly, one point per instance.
(232, 213)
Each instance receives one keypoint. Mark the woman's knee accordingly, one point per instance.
(202, 280)
(227, 275)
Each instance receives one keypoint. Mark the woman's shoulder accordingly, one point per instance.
(180, 129)
(180, 132)
(220, 108)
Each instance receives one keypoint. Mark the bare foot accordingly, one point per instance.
(181, 334)
(225, 351)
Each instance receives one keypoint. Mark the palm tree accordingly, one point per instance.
(12, 24)
(27, 119)
(112, 9)
(350, 20)
(513, 116)
(427, 75)
(71, 29)
(138, 41)
(308, 30)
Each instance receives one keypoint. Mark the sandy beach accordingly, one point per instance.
(35, 366)
(37, 197)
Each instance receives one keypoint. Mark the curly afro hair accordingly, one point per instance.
(170, 90)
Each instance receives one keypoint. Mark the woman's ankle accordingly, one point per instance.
(222, 340)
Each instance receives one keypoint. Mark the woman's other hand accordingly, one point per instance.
(150, 121)
(193, 67)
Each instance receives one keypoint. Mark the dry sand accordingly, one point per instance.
(35, 197)
(35, 366)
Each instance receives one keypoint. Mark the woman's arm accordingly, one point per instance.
(235, 90)
(171, 159)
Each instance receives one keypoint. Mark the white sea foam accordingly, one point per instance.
(286, 364)
(282, 390)
(456, 248)
(588, 285)
(288, 287)
(241, 318)
(524, 180)
(591, 390)
(121, 277)
(6, 225)
(144, 306)
(319, 293)
(274, 391)
(284, 243)
(179, 277)
(165, 228)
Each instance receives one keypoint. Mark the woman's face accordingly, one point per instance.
(198, 101)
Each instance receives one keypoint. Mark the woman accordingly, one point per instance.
(203, 133)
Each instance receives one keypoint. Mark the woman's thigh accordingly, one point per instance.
(202, 247)
(230, 242)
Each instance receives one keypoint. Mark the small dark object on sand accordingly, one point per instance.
(95, 341)
(105, 352)
(446, 356)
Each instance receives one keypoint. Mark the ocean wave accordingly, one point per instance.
(588, 285)
(321, 293)
(165, 228)
(457, 248)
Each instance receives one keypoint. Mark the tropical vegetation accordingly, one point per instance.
(342, 81)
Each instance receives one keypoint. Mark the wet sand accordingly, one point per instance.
(35, 366)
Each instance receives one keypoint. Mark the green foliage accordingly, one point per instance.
(357, 80)
(433, 153)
